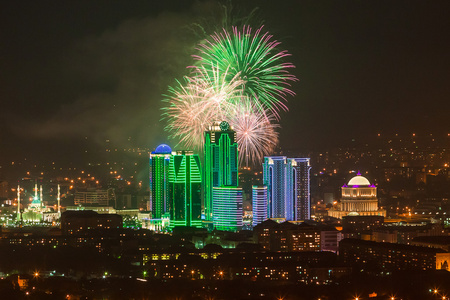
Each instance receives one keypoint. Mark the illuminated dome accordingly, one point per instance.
(358, 180)
(162, 149)
(359, 198)
(353, 213)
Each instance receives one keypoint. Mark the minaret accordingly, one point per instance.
(59, 200)
(35, 191)
(40, 197)
(18, 202)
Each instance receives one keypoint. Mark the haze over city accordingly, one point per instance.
(72, 71)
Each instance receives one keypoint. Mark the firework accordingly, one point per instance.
(255, 131)
(193, 106)
(186, 115)
(255, 59)
(240, 78)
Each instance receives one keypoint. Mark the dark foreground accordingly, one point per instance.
(419, 285)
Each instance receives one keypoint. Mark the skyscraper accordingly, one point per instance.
(227, 208)
(221, 162)
(287, 181)
(185, 181)
(298, 170)
(159, 180)
(274, 177)
(259, 204)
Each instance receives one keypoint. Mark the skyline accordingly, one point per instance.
(100, 72)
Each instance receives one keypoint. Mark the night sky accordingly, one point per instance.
(71, 70)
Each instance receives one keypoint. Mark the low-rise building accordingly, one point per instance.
(388, 257)
(288, 236)
(76, 222)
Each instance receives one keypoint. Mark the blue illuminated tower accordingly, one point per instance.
(159, 180)
(274, 177)
(259, 204)
(288, 187)
(298, 189)
(185, 181)
(221, 162)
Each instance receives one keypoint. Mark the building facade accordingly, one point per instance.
(227, 208)
(221, 162)
(159, 180)
(259, 204)
(286, 236)
(298, 193)
(274, 177)
(94, 197)
(384, 257)
(288, 187)
(185, 180)
(359, 198)
(77, 222)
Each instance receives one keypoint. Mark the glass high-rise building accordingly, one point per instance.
(185, 181)
(159, 180)
(298, 188)
(274, 177)
(259, 204)
(221, 162)
(227, 208)
(288, 184)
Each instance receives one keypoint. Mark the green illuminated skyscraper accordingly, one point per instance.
(185, 180)
(221, 162)
(159, 180)
(227, 208)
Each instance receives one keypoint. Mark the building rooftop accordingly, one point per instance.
(441, 240)
(162, 149)
(359, 180)
(391, 246)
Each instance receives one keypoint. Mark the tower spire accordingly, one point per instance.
(18, 202)
(35, 190)
(40, 197)
(59, 200)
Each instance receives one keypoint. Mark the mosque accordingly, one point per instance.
(359, 198)
(37, 212)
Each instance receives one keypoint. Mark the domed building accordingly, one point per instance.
(162, 149)
(159, 181)
(359, 198)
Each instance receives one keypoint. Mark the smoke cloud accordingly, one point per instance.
(119, 78)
